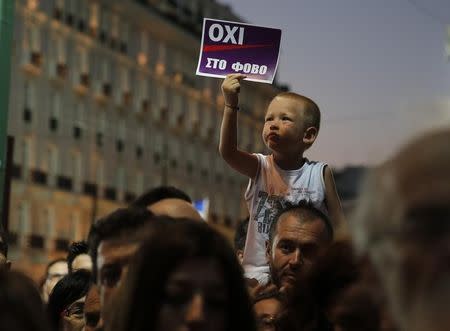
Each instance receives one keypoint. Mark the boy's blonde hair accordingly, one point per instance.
(311, 113)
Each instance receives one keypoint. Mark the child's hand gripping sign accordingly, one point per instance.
(231, 47)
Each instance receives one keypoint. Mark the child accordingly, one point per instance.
(291, 126)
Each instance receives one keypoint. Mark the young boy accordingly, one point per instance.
(291, 126)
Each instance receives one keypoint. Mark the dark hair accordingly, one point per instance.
(241, 234)
(21, 306)
(306, 212)
(311, 112)
(75, 249)
(120, 223)
(274, 293)
(167, 248)
(160, 193)
(68, 290)
(49, 265)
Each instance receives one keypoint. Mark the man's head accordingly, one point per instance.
(292, 123)
(111, 247)
(56, 270)
(4, 262)
(239, 239)
(168, 201)
(403, 223)
(78, 257)
(295, 238)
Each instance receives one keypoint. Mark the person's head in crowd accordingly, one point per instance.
(66, 302)
(92, 318)
(193, 282)
(403, 222)
(78, 257)
(21, 306)
(112, 247)
(333, 294)
(4, 262)
(55, 270)
(295, 238)
(239, 239)
(168, 201)
(268, 307)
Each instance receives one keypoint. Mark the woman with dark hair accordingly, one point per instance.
(21, 306)
(185, 276)
(66, 301)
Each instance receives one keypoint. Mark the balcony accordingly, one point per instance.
(64, 183)
(39, 177)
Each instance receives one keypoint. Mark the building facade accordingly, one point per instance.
(104, 105)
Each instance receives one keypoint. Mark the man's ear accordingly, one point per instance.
(268, 251)
(310, 135)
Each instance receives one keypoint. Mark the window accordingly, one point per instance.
(100, 174)
(54, 110)
(53, 160)
(139, 182)
(93, 18)
(79, 120)
(23, 222)
(29, 101)
(75, 233)
(104, 24)
(101, 131)
(121, 179)
(77, 174)
(28, 154)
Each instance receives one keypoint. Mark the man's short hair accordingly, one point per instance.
(160, 193)
(273, 293)
(311, 112)
(306, 212)
(118, 224)
(241, 235)
(75, 249)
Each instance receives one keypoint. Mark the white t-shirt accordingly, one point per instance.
(271, 190)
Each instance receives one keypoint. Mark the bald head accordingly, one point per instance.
(176, 208)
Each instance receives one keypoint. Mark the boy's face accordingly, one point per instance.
(283, 127)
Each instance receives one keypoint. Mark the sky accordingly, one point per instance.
(377, 68)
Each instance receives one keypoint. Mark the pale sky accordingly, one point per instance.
(377, 69)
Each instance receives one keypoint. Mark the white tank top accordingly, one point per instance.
(272, 190)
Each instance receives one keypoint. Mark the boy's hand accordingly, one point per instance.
(231, 87)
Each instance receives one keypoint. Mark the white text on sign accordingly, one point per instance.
(217, 31)
(246, 68)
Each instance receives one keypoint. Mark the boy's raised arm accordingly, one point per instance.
(245, 163)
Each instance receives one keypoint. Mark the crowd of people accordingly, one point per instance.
(297, 262)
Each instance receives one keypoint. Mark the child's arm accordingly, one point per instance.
(333, 203)
(245, 163)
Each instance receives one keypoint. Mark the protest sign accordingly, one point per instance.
(232, 47)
